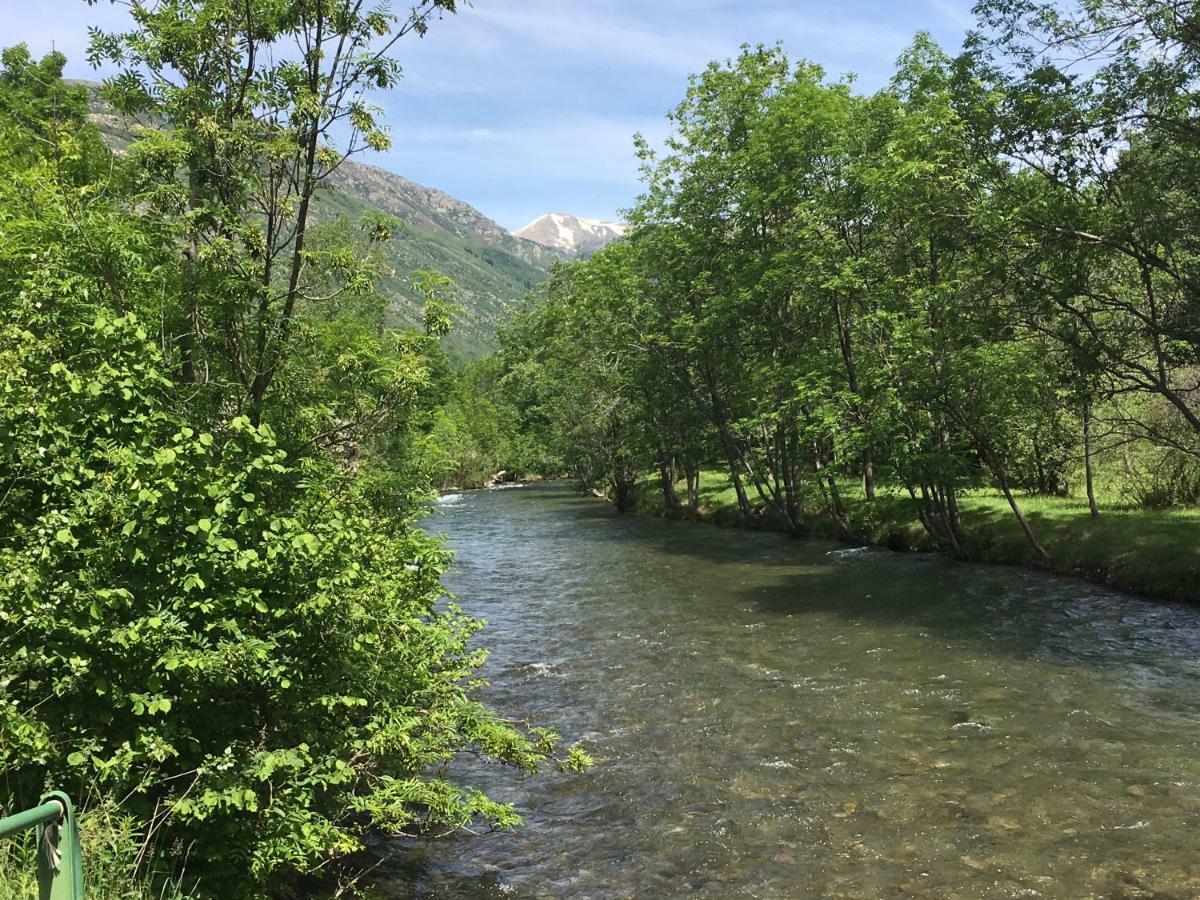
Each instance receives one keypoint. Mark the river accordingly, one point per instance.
(788, 718)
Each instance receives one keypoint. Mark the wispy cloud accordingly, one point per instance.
(526, 106)
(600, 41)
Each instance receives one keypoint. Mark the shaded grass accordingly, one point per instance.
(1151, 552)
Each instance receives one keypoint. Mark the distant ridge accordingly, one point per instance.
(571, 234)
(492, 269)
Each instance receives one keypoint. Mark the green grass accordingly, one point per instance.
(113, 868)
(1151, 552)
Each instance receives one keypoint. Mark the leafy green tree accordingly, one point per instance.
(254, 106)
(824, 281)
(34, 97)
(230, 630)
(1101, 110)
(579, 345)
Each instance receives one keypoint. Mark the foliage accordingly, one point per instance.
(490, 276)
(254, 129)
(983, 274)
(34, 97)
(479, 432)
(219, 620)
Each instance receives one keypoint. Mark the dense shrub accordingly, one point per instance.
(230, 640)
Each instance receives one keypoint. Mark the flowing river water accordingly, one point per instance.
(792, 718)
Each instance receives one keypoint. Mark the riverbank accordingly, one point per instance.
(1151, 552)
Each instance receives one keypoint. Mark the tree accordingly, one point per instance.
(1102, 112)
(256, 104)
(226, 629)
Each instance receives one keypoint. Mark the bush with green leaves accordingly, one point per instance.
(234, 641)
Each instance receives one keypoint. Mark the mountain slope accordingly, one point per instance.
(492, 269)
(571, 234)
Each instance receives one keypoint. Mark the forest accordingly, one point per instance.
(958, 313)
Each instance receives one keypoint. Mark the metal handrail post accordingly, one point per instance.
(59, 855)
(60, 858)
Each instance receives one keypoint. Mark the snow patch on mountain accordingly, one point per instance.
(571, 234)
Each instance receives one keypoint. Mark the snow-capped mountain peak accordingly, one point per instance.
(571, 234)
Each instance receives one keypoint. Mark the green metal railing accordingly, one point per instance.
(60, 860)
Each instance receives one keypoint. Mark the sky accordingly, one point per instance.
(522, 107)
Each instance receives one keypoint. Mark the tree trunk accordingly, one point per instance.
(666, 474)
(733, 453)
(868, 475)
(1039, 467)
(691, 473)
(623, 491)
(998, 471)
(838, 509)
(795, 510)
(937, 509)
(1087, 459)
(191, 287)
(845, 318)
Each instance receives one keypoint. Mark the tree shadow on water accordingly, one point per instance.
(998, 610)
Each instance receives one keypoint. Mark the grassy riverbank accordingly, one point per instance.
(1152, 552)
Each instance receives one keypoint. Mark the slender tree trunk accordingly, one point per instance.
(266, 362)
(946, 503)
(666, 473)
(998, 471)
(937, 509)
(623, 490)
(191, 289)
(845, 318)
(1042, 485)
(691, 472)
(953, 513)
(733, 453)
(1087, 459)
(791, 490)
(838, 508)
(868, 474)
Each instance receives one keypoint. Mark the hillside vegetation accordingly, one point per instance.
(492, 270)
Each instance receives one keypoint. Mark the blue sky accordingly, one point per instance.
(522, 107)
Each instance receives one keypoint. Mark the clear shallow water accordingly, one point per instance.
(784, 718)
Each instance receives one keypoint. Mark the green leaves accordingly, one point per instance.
(215, 606)
(195, 619)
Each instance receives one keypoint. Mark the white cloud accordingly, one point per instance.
(589, 38)
(587, 147)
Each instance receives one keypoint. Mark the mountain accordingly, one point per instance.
(492, 270)
(571, 234)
